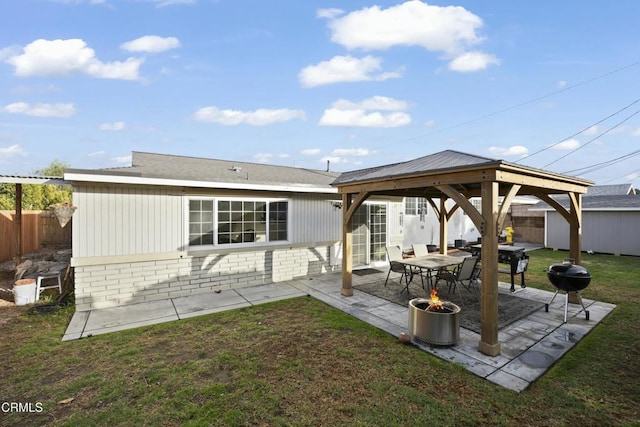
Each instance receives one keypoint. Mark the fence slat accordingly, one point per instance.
(38, 228)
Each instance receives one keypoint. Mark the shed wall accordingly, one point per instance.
(615, 232)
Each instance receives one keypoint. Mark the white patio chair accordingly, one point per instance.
(419, 250)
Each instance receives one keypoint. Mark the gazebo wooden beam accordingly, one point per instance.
(506, 204)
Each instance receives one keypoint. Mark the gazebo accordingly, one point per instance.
(460, 176)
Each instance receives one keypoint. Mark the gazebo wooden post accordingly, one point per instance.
(489, 343)
(575, 236)
(347, 243)
(444, 220)
(575, 227)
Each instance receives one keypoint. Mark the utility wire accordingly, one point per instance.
(577, 133)
(592, 139)
(531, 101)
(588, 169)
(624, 176)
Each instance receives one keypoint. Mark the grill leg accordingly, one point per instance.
(546, 306)
(566, 306)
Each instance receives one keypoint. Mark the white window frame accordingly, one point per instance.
(419, 202)
(215, 200)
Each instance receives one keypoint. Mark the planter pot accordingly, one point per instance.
(431, 248)
(460, 243)
(433, 327)
(63, 213)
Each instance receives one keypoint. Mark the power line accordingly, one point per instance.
(623, 176)
(592, 168)
(577, 133)
(521, 104)
(592, 140)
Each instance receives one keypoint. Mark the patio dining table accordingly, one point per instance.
(430, 263)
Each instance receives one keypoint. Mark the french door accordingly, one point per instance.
(369, 234)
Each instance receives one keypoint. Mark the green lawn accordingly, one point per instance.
(300, 362)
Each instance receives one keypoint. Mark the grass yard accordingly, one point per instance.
(300, 362)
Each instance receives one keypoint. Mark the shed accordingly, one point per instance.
(611, 224)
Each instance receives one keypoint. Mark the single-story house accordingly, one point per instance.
(170, 226)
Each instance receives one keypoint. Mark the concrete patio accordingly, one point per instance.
(529, 346)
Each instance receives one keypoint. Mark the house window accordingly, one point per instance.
(200, 222)
(236, 221)
(415, 205)
(278, 213)
(477, 203)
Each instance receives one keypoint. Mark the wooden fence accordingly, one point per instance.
(38, 228)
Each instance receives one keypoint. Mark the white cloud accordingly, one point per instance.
(373, 103)
(96, 153)
(310, 152)
(165, 3)
(635, 132)
(472, 61)
(329, 13)
(151, 44)
(115, 126)
(569, 144)
(41, 110)
(333, 159)
(450, 30)
(561, 84)
(359, 118)
(347, 113)
(258, 117)
(345, 69)
(341, 152)
(122, 159)
(513, 151)
(7, 153)
(413, 23)
(593, 130)
(430, 123)
(268, 157)
(65, 57)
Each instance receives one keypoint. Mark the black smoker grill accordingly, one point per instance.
(568, 277)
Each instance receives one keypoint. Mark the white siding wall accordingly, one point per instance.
(128, 246)
(314, 219)
(615, 232)
(113, 221)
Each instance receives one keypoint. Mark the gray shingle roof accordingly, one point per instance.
(610, 190)
(162, 166)
(448, 159)
(631, 202)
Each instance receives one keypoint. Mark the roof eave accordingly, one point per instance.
(133, 179)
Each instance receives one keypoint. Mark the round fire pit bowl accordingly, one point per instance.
(436, 327)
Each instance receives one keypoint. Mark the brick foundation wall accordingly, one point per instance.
(111, 285)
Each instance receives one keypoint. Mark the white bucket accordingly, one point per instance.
(24, 291)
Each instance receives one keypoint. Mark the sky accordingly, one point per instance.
(351, 84)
